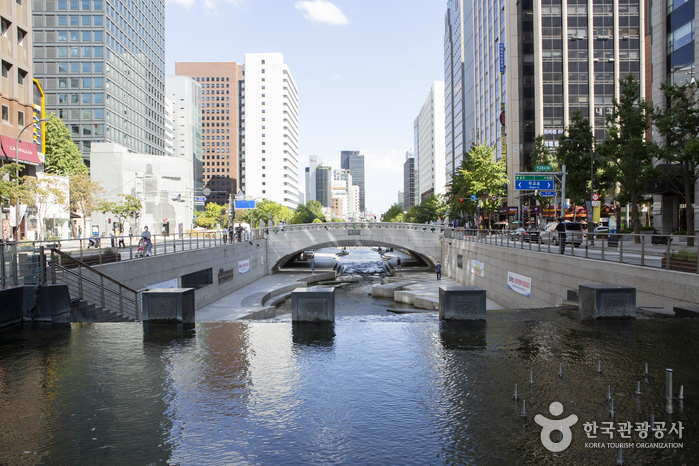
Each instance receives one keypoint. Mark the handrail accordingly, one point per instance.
(85, 279)
(97, 272)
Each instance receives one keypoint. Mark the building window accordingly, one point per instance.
(21, 34)
(20, 118)
(21, 75)
(6, 67)
(5, 113)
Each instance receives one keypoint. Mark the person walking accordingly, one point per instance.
(146, 241)
(313, 265)
(80, 232)
(438, 267)
(121, 239)
(113, 238)
(561, 229)
(398, 263)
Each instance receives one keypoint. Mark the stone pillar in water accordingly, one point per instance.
(597, 301)
(168, 305)
(461, 303)
(313, 304)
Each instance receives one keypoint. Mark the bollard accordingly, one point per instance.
(599, 366)
(611, 408)
(516, 392)
(646, 373)
(560, 369)
(668, 390)
(609, 392)
(524, 408)
(638, 388)
(531, 376)
(681, 397)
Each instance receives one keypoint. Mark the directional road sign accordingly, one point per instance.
(547, 193)
(532, 182)
(473, 198)
(200, 199)
(542, 168)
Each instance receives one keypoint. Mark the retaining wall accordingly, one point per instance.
(552, 275)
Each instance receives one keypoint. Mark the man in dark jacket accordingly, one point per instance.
(561, 229)
(438, 267)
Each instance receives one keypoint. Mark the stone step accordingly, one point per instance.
(686, 311)
(387, 290)
(426, 302)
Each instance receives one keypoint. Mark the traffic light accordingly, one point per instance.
(138, 214)
(461, 199)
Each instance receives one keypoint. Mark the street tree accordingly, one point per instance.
(46, 192)
(431, 209)
(125, 210)
(266, 210)
(62, 155)
(678, 124)
(84, 196)
(13, 189)
(212, 215)
(308, 213)
(393, 214)
(629, 154)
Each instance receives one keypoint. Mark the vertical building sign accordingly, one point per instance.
(502, 57)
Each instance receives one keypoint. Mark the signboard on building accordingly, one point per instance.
(502, 57)
(244, 266)
(519, 284)
(503, 146)
(477, 268)
(225, 276)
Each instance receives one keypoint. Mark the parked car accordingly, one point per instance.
(601, 229)
(309, 254)
(532, 235)
(574, 234)
(517, 234)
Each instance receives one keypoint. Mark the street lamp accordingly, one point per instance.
(17, 174)
(592, 180)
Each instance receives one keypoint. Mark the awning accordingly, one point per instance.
(27, 151)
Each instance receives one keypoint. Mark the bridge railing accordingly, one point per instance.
(333, 226)
(669, 252)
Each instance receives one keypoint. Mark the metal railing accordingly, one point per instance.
(669, 252)
(331, 226)
(91, 285)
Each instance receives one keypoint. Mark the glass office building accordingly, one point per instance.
(101, 64)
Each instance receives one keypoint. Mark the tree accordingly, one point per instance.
(541, 155)
(62, 155)
(84, 196)
(393, 214)
(431, 209)
(480, 175)
(308, 213)
(212, 215)
(630, 155)
(266, 210)
(678, 124)
(127, 209)
(577, 159)
(46, 192)
(10, 189)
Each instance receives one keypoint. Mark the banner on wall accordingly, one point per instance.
(244, 266)
(519, 284)
(477, 268)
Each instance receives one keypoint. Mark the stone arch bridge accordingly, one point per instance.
(286, 242)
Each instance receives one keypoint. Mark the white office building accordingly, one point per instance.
(313, 162)
(185, 94)
(353, 209)
(269, 123)
(169, 128)
(430, 169)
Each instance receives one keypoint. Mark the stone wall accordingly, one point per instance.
(552, 275)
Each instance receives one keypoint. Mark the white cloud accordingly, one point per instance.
(322, 11)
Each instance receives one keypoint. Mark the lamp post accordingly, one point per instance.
(17, 175)
(590, 228)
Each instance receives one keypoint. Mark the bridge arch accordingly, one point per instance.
(285, 243)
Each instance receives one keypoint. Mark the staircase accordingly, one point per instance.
(96, 297)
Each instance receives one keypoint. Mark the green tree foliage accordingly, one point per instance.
(46, 192)
(122, 211)
(10, 189)
(84, 196)
(62, 155)
(393, 214)
(308, 213)
(431, 209)
(541, 155)
(212, 215)
(629, 154)
(479, 174)
(268, 209)
(678, 124)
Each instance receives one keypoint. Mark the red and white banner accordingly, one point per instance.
(27, 151)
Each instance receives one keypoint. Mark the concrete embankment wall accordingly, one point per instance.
(552, 275)
(223, 260)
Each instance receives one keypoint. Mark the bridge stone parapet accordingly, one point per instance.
(286, 242)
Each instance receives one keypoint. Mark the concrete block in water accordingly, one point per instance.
(686, 311)
(15, 304)
(174, 305)
(314, 304)
(461, 303)
(604, 301)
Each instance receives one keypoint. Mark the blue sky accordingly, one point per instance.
(363, 68)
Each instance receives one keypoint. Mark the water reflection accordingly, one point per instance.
(463, 335)
(313, 333)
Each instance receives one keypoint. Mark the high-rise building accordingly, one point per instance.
(324, 185)
(354, 162)
(221, 84)
(101, 64)
(313, 162)
(169, 126)
(400, 198)
(185, 94)
(409, 191)
(339, 194)
(353, 207)
(269, 116)
(459, 81)
(430, 170)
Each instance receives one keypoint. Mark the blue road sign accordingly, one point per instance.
(547, 193)
(533, 184)
(243, 204)
(200, 199)
(473, 198)
(564, 206)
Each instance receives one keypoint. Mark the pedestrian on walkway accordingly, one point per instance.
(561, 229)
(121, 239)
(313, 265)
(80, 232)
(398, 263)
(438, 267)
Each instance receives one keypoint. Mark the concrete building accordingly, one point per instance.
(339, 200)
(409, 191)
(186, 97)
(354, 162)
(353, 210)
(270, 144)
(163, 184)
(221, 86)
(324, 185)
(400, 198)
(673, 59)
(169, 126)
(459, 82)
(101, 64)
(430, 158)
(313, 162)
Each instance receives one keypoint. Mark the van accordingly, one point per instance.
(574, 234)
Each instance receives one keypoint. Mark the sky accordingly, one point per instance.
(363, 68)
